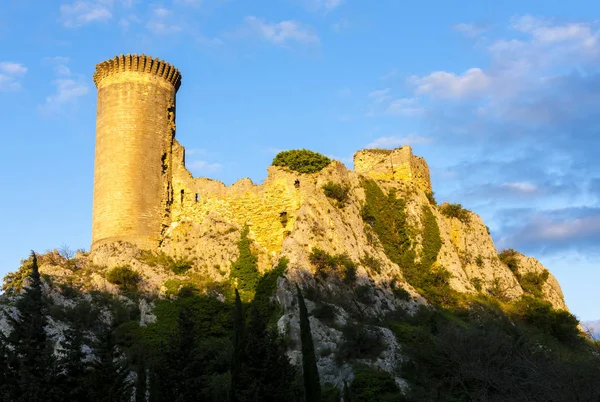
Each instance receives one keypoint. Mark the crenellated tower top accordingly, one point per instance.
(138, 64)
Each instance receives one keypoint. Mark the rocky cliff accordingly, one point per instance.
(361, 244)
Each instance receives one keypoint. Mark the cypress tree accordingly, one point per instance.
(266, 373)
(239, 329)
(7, 371)
(73, 367)
(108, 379)
(33, 361)
(312, 384)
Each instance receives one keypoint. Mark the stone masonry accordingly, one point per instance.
(134, 135)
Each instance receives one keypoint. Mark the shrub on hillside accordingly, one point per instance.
(328, 264)
(557, 323)
(509, 257)
(455, 211)
(371, 384)
(532, 282)
(337, 192)
(124, 277)
(301, 160)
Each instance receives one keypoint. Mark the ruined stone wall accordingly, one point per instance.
(244, 203)
(397, 164)
(134, 134)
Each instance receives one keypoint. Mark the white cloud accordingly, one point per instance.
(59, 64)
(331, 4)
(203, 40)
(403, 107)
(161, 12)
(395, 141)
(544, 229)
(449, 85)
(391, 74)
(163, 22)
(194, 3)
(68, 87)
(545, 31)
(380, 95)
(14, 69)
(203, 167)
(10, 73)
(281, 33)
(521, 187)
(470, 30)
(67, 90)
(160, 28)
(83, 12)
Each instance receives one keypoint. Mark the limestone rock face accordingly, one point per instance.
(551, 289)
(398, 164)
(290, 216)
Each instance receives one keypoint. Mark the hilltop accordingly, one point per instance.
(404, 296)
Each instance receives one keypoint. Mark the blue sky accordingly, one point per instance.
(501, 98)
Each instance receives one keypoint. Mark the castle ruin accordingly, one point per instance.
(144, 194)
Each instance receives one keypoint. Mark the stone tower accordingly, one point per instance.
(135, 129)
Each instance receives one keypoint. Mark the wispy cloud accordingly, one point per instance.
(471, 30)
(341, 25)
(555, 230)
(280, 33)
(82, 12)
(69, 87)
(10, 73)
(442, 84)
(398, 141)
(199, 167)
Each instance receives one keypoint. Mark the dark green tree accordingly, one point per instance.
(73, 368)
(7, 371)
(239, 329)
(108, 378)
(266, 373)
(312, 384)
(33, 364)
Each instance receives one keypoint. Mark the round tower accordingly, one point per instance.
(135, 128)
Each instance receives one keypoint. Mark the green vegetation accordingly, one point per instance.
(532, 283)
(328, 265)
(360, 342)
(283, 218)
(124, 277)
(455, 211)
(202, 348)
(177, 266)
(244, 271)
(301, 160)
(372, 263)
(431, 198)
(477, 284)
(371, 384)
(337, 192)
(479, 261)
(488, 351)
(312, 383)
(386, 216)
(509, 257)
(13, 281)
